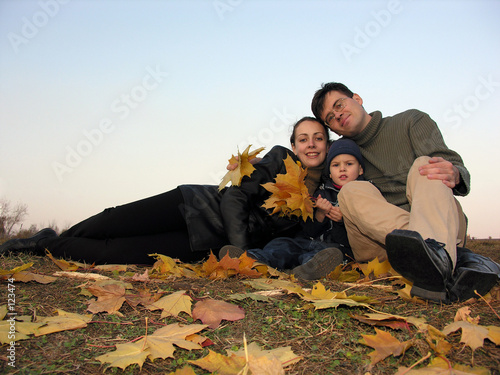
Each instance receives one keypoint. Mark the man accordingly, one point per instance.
(412, 177)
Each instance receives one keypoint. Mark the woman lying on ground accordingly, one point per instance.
(189, 221)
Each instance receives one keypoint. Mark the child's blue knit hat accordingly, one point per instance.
(344, 146)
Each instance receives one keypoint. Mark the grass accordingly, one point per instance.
(328, 340)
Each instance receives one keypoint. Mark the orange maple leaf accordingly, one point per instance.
(385, 345)
(290, 195)
(228, 267)
(244, 168)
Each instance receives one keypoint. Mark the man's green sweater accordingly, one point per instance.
(390, 145)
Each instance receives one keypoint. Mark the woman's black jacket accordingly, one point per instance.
(234, 215)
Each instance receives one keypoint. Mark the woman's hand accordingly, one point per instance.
(233, 166)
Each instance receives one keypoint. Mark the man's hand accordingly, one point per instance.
(440, 169)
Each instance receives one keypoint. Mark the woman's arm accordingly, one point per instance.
(239, 201)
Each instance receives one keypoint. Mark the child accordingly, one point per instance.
(323, 243)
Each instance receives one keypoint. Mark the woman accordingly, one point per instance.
(190, 220)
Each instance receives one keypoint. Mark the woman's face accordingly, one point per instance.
(310, 143)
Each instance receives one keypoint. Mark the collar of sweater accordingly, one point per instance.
(368, 133)
(313, 178)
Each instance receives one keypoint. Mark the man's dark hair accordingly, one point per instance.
(318, 100)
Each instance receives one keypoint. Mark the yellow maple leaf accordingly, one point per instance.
(173, 304)
(289, 194)
(161, 342)
(186, 370)
(244, 168)
(62, 322)
(251, 357)
(439, 366)
(221, 364)
(64, 264)
(16, 269)
(126, 355)
(376, 267)
(158, 345)
(473, 335)
(385, 345)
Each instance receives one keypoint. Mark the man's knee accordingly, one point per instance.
(422, 160)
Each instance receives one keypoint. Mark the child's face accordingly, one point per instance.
(344, 168)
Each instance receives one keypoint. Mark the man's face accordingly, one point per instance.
(345, 116)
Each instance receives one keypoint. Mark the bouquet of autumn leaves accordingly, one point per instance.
(289, 194)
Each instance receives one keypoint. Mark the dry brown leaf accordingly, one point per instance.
(385, 345)
(25, 277)
(463, 313)
(80, 275)
(244, 168)
(64, 264)
(290, 196)
(110, 298)
(212, 312)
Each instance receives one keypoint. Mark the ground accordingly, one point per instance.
(327, 339)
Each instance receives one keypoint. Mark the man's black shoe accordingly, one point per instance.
(473, 272)
(425, 263)
(27, 244)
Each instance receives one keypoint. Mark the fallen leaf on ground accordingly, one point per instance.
(26, 276)
(80, 275)
(439, 366)
(64, 264)
(110, 298)
(160, 344)
(260, 361)
(385, 345)
(64, 321)
(463, 313)
(212, 312)
(375, 267)
(473, 335)
(173, 304)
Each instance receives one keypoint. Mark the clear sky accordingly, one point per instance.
(106, 102)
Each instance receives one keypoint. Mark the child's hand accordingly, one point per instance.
(334, 214)
(323, 205)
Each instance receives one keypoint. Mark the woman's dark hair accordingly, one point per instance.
(318, 100)
(308, 118)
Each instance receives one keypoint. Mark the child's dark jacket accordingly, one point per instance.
(329, 231)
